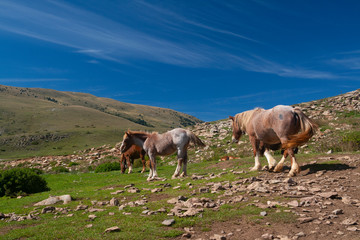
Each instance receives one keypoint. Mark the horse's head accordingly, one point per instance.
(127, 142)
(237, 132)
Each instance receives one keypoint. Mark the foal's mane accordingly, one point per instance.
(242, 119)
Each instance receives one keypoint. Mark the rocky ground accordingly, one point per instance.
(324, 198)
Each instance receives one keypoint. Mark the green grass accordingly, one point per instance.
(86, 187)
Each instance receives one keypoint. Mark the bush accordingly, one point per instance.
(60, 169)
(353, 140)
(107, 167)
(21, 180)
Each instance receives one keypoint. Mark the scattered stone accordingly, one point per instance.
(267, 236)
(168, 222)
(155, 190)
(337, 212)
(81, 207)
(112, 229)
(305, 219)
(52, 200)
(186, 235)
(218, 237)
(331, 195)
(263, 214)
(47, 209)
(117, 192)
(114, 202)
(89, 226)
(92, 217)
(349, 221)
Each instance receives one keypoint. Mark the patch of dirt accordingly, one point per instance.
(332, 210)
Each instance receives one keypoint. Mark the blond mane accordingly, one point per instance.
(242, 119)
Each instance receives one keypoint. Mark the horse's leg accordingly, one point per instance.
(180, 158)
(270, 159)
(294, 165)
(142, 156)
(151, 171)
(130, 164)
(122, 164)
(280, 165)
(184, 173)
(255, 144)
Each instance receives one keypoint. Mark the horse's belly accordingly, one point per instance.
(268, 137)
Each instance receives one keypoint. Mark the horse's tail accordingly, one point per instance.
(307, 127)
(195, 139)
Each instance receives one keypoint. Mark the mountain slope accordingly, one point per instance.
(39, 121)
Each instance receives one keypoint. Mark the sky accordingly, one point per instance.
(209, 58)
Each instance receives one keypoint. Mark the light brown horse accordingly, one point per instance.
(128, 157)
(162, 144)
(280, 127)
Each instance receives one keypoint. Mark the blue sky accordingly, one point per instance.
(210, 59)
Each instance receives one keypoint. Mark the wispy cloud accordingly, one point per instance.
(352, 63)
(259, 64)
(102, 38)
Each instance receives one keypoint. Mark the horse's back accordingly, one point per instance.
(273, 124)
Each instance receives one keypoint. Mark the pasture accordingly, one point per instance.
(245, 204)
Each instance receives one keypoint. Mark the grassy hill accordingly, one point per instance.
(47, 122)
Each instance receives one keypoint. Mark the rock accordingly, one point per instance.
(52, 200)
(349, 221)
(92, 217)
(337, 212)
(263, 213)
(114, 202)
(48, 209)
(81, 207)
(89, 226)
(305, 219)
(352, 229)
(133, 190)
(331, 195)
(112, 229)
(293, 203)
(267, 236)
(204, 190)
(117, 192)
(168, 222)
(218, 237)
(155, 190)
(186, 235)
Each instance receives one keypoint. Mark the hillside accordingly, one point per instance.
(42, 121)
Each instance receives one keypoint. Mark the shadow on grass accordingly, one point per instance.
(316, 167)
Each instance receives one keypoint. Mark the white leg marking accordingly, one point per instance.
(257, 163)
(270, 159)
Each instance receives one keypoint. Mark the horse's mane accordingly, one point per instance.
(242, 119)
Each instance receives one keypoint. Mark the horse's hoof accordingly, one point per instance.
(271, 168)
(291, 174)
(174, 177)
(256, 168)
(278, 168)
(182, 175)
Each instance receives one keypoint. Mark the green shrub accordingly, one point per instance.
(21, 180)
(73, 164)
(353, 139)
(138, 163)
(107, 167)
(60, 169)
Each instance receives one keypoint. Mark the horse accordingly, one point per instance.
(164, 144)
(128, 157)
(279, 127)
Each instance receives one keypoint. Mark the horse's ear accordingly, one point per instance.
(232, 118)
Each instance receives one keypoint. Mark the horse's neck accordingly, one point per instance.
(140, 138)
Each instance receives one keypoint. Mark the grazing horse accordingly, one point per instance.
(128, 157)
(162, 144)
(280, 127)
